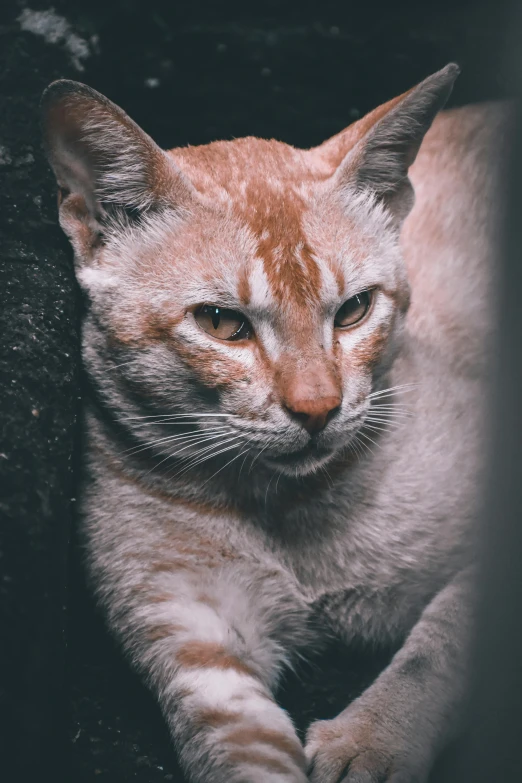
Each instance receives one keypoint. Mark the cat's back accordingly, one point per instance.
(449, 239)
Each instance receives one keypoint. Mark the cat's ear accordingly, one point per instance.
(102, 160)
(384, 144)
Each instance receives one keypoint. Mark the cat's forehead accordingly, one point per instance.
(267, 186)
(233, 166)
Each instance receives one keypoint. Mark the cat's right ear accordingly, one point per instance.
(103, 162)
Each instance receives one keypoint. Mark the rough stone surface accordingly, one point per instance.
(189, 73)
(38, 392)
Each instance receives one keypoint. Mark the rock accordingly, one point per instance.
(39, 382)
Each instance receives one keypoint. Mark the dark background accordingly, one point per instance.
(188, 73)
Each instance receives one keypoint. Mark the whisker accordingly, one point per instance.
(212, 455)
(200, 439)
(269, 443)
(391, 407)
(367, 449)
(385, 395)
(385, 419)
(364, 435)
(393, 389)
(171, 438)
(226, 464)
(360, 447)
(379, 404)
(386, 426)
(396, 414)
(353, 447)
(116, 366)
(208, 456)
(376, 429)
(207, 448)
(181, 435)
(328, 477)
(188, 445)
(278, 479)
(175, 416)
(268, 485)
(375, 410)
(243, 463)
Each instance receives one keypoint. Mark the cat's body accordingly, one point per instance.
(216, 572)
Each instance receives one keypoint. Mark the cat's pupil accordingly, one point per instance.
(215, 316)
(222, 323)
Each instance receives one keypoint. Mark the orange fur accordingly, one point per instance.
(201, 654)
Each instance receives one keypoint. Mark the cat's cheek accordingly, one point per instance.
(138, 326)
(367, 353)
(214, 369)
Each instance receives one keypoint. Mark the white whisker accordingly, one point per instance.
(385, 419)
(397, 405)
(227, 464)
(116, 366)
(175, 454)
(268, 485)
(364, 435)
(172, 438)
(360, 447)
(175, 416)
(391, 409)
(198, 458)
(393, 390)
(389, 414)
(353, 447)
(243, 463)
(376, 429)
(258, 455)
(328, 477)
(278, 479)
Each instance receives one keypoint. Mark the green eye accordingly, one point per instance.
(222, 323)
(353, 310)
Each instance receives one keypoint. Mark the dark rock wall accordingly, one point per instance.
(189, 72)
(38, 392)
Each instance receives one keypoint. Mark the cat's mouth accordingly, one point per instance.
(311, 453)
(314, 454)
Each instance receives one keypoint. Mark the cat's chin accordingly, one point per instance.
(302, 462)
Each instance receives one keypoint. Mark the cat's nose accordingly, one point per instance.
(314, 414)
(310, 391)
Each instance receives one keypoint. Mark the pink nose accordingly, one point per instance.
(314, 414)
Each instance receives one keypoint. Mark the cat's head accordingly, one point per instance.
(251, 290)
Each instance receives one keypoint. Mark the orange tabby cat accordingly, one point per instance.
(284, 424)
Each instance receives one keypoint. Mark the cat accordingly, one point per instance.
(285, 418)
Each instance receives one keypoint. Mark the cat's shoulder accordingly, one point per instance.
(449, 238)
(463, 147)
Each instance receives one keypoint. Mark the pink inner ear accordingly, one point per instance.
(335, 149)
(68, 154)
(97, 151)
(379, 148)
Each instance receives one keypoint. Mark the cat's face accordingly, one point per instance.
(252, 305)
(272, 300)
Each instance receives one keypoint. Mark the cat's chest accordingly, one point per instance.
(363, 572)
(353, 554)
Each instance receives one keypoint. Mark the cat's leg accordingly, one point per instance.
(211, 643)
(395, 729)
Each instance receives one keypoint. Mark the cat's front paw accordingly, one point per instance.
(360, 747)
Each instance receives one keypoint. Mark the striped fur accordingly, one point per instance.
(224, 539)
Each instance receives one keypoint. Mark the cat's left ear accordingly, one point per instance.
(103, 162)
(384, 144)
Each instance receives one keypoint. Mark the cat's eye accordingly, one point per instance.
(223, 323)
(353, 310)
